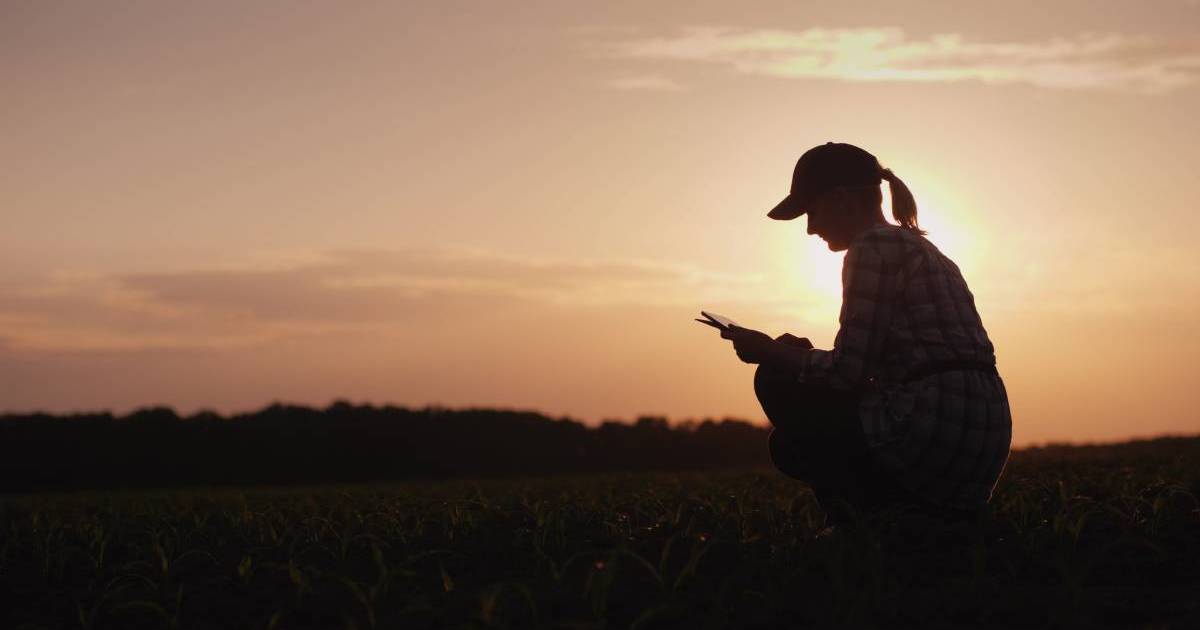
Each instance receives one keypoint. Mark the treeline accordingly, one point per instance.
(155, 447)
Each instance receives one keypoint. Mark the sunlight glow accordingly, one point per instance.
(949, 227)
(820, 269)
(810, 276)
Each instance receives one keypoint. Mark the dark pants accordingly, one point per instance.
(817, 438)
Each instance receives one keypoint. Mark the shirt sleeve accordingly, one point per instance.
(864, 320)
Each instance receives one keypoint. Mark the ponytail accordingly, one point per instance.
(904, 207)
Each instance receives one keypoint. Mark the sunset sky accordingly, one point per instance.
(524, 204)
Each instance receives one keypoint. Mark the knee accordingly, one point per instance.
(787, 456)
(767, 380)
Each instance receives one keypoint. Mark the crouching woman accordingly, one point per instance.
(907, 408)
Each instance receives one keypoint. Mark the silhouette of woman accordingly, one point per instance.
(907, 408)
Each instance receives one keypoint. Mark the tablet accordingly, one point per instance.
(716, 321)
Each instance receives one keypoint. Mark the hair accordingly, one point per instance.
(904, 207)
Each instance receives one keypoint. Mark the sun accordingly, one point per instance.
(820, 269)
(809, 275)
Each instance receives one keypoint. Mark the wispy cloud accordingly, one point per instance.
(1089, 60)
(646, 82)
(335, 292)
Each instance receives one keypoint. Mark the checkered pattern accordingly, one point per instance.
(946, 437)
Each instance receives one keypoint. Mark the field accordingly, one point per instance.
(1073, 538)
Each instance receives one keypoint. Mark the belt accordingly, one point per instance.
(937, 367)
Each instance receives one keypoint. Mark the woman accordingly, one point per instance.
(907, 408)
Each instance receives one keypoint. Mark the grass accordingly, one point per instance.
(1084, 542)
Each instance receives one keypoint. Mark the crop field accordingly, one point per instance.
(1102, 538)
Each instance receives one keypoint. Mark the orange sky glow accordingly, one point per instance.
(522, 205)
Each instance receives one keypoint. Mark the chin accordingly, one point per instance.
(837, 247)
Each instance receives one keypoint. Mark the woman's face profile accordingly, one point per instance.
(830, 218)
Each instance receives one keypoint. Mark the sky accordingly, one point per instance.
(221, 205)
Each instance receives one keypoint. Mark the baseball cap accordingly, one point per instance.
(822, 168)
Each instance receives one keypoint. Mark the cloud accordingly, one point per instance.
(646, 82)
(348, 291)
(1089, 60)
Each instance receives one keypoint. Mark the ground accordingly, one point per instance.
(1069, 540)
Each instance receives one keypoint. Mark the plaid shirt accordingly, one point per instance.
(905, 304)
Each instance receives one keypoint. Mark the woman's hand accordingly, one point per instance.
(751, 345)
(793, 340)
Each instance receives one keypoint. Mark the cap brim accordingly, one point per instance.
(787, 209)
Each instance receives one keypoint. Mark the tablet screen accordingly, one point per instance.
(720, 319)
